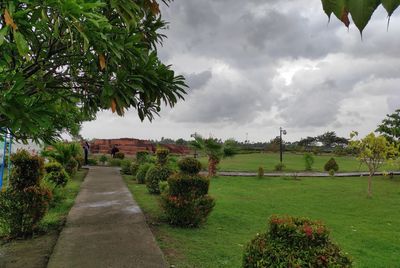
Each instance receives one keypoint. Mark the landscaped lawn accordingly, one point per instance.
(293, 162)
(368, 229)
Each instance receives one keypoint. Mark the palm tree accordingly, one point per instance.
(215, 151)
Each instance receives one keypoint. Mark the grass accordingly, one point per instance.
(368, 229)
(293, 162)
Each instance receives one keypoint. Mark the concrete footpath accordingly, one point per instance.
(106, 228)
(301, 174)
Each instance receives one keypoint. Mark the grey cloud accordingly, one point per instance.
(198, 80)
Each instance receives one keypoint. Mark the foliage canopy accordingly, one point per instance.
(63, 61)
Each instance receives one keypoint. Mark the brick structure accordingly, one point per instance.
(132, 146)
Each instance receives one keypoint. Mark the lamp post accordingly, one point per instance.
(195, 151)
(281, 132)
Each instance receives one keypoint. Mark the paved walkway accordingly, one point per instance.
(300, 174)
(106, 228)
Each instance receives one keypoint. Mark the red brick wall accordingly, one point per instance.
(132, 146)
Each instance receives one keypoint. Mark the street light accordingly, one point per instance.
(194, 136)
(284, 132)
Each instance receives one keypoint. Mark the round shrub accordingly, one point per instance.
(308, 161)
(56, 174)
(162, 156)
(115, 162)
(260, 173)
(189, 165)
(103, 159)
(188, 186)
(92, 161)
(119, 155)
(186, 201)
(331, 165)
(331, 173)
(153, 177)
(294, 242)
(27, 170)
(134, 168)
(279, 167)
(126, 167)
(71, 167)
(141, 173)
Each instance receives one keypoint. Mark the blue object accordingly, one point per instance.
(3, 161)
(3, 158)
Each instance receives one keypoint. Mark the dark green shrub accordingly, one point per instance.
(260, 173)
(126, 167)
(71, 167)
(92, 161)
(279, 167)
(331, 173)
(188, 185)
(153, 177)
(189, 165)
(142, 157)
(186, 201)
(331, 165)
(103, 159)
(56, 174)
(25, 202)
(164, 187)
(294, 242)
(114, 162)
(141, 173)
(27, 170)
(134, 168)
(162, 156)
(119, 155)
(308, 161)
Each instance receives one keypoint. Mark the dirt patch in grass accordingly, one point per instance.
(32, 253)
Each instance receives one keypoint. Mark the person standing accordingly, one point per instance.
(114, 150)
(86, 148)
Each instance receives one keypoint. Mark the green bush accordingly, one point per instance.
(81, 162)
(142, 157)
(134, 168)
(294, 242)
(103, 159)
(126, 167)
(153, 177)
(56, 174)
(260, 173)
(308, 161)
(162, 156)
(114, 162)
(331, 165)
(92, 161)
(71, 167)
(120, 155)
(25, 202)
(331, 173)
(279, 167)
(189, 165)
(164, 187)
(141, 173)
(186, 201)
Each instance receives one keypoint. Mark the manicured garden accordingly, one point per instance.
(365, 228)
(293, 162)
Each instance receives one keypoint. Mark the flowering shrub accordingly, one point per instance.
(162, 156)
(294, 242)
(331, 165)
(186, 201)
(25, 202)
(189, 165)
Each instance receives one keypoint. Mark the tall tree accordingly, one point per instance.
(330, 139)
(390, 127)
(63, 61)
(360, 10)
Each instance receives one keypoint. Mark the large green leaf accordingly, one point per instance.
(361, 11)
(390, 5)
(22, 45)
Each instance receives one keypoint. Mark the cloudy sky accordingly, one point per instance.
(256, 65)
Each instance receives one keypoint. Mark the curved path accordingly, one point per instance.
(300, 174)
(106, 228)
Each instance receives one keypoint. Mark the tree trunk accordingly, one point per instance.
(370, 186)
(212, 166)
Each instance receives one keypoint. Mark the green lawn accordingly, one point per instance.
(368, 229)
(293, 162)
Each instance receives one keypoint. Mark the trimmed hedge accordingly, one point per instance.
(142, 157)
(126, 167)
(189, 165)
(154, 176)
(188, 186)
(162, 156)
(134, 168)
(56, 174)
(294, 242)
